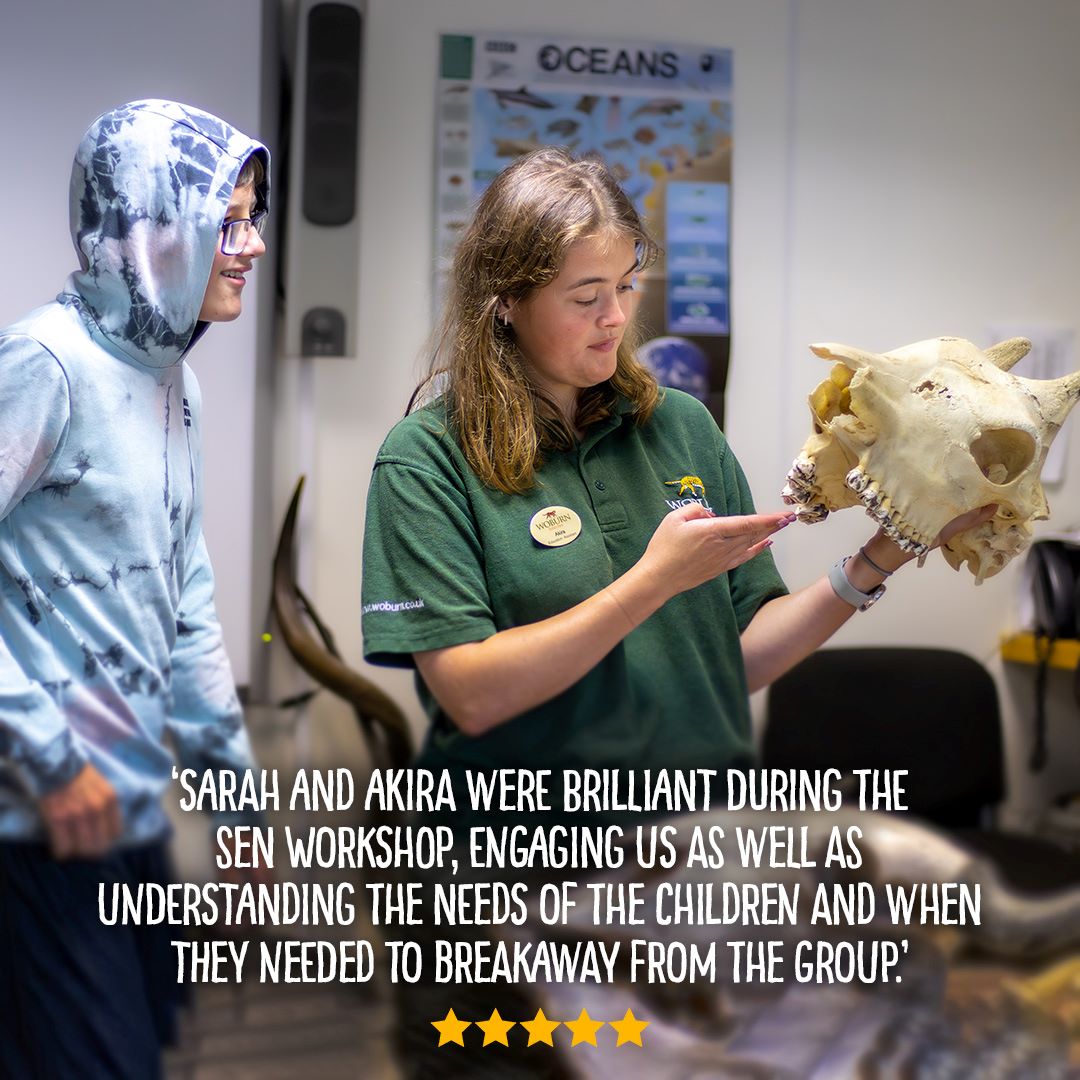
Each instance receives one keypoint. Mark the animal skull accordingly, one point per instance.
(927, 432)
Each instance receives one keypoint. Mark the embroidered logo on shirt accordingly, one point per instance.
(691, 484)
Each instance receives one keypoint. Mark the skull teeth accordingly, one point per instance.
(800, 482)
(879, 507)
(857, 480)
(811, 515)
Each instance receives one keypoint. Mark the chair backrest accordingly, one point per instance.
(934, 712)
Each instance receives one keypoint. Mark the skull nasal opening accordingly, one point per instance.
(1003, 454)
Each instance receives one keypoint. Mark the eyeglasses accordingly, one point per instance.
(235, 234)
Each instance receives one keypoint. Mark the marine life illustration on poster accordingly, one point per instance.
(660, 117)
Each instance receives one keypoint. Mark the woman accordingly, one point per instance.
(568, 555)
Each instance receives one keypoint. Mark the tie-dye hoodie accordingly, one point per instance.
(108, 635)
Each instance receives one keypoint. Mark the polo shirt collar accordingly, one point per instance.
(622, 406)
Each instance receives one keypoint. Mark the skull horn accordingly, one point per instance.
(1006, 353)
(1056, 397)
(846, 354)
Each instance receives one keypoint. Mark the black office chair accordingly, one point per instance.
(934, 712)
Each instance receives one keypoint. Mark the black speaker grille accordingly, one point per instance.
(331, 114)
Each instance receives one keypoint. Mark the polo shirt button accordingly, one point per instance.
(600, 485)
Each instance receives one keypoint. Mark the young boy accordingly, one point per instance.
(109, 640)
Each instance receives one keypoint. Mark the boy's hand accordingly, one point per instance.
(83, 817)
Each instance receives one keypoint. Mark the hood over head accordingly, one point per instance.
(150, 187)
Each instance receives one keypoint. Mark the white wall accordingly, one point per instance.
(901, 171)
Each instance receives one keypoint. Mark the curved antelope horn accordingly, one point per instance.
(846, 354)
(1006, 353)
(320, 659)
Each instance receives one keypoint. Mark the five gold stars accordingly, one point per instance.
(541, 1030)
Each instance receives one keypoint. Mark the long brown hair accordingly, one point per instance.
(516, 243)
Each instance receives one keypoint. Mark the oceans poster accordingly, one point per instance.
(660, 117)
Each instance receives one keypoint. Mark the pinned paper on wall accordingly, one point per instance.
(1052, 355)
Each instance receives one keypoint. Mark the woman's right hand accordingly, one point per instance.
(692, 545)
(482, 684)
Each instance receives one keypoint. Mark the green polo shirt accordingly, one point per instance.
(448, 560)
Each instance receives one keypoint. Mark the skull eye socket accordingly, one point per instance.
(1003, 454)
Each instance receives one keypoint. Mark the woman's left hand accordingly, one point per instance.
(970, 520)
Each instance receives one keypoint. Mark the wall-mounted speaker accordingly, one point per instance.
(322, 241)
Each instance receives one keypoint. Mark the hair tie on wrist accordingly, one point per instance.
(873, 565)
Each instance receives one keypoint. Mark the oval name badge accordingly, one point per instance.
(555, 526)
